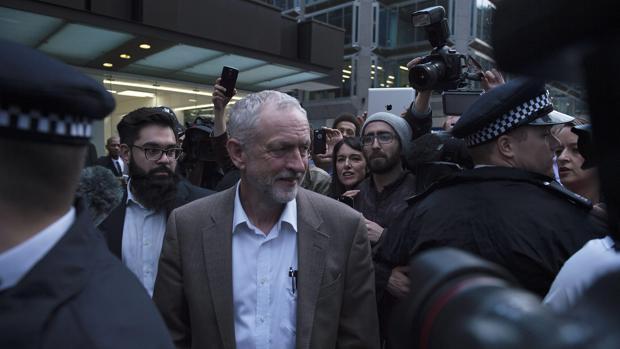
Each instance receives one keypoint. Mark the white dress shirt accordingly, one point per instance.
(143, 235)
(17, 261)
(264, 296)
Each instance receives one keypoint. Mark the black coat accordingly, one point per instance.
(112, 226)
(106, 161)
(523, 221)
(79, 296)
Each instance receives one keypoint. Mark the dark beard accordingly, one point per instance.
(387, 166)
(153, 192)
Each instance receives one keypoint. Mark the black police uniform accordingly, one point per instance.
(523, 221)
(78, 295)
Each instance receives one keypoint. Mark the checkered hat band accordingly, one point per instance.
(64, 126)
(509, 120)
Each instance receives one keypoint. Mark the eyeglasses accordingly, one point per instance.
(382, 137)
(156, 153)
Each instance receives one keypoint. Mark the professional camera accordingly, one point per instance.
(458, 300)
(443, 68)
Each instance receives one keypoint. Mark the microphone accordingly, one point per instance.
(101, 191)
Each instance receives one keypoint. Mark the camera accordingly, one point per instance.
(459, 300)
(443, 69)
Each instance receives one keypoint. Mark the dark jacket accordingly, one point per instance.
(112, 227)
(383, 207)
(106, 161)
(526, 222)
(79, 296)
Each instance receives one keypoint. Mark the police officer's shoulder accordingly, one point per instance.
(574, 198)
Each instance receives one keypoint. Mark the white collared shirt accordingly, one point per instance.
(143, 236)
(17, 261)
(264, 298)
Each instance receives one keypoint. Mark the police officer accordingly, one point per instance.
(507, 209)
(59, 285)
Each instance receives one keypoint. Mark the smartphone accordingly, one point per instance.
(229, 80)
(457, 102)
(349, 200)
(319, 141)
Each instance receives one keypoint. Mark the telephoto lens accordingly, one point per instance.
(458, 300)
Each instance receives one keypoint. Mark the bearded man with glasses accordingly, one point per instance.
(135, 229)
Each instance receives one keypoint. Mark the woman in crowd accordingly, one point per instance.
(349, 166)
(583, 182)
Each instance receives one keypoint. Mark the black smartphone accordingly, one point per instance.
(456, 102)
(229, 80)
(349, 200)
(319, 141)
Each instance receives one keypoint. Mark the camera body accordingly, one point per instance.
(443, 68)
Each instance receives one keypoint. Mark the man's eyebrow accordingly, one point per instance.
(154, 144)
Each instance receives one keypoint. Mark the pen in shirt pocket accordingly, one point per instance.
(292, 273)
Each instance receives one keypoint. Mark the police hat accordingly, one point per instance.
(516, 103)
(42, 99)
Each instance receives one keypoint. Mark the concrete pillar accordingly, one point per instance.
(365, 29)
(463, 12)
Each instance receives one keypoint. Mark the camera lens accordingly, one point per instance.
(472, 300)
(425, 76)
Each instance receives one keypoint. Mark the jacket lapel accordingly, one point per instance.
(312, 245)
(113, 225)
(217, 248)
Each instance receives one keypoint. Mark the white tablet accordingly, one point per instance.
(393, 100)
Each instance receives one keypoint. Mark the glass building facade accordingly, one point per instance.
(395, 42)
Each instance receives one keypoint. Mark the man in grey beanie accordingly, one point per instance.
(385, 139)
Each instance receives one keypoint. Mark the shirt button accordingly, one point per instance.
(261, 319)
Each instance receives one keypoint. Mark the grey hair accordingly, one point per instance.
(245, 114)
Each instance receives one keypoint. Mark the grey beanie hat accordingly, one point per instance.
(399, 124)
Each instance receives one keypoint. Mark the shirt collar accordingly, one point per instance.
(16, 262)
(131, 198)
(289, 215)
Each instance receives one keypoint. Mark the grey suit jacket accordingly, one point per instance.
(336, 305)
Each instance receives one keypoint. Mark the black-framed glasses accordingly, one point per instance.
(154, 154)
(382, 137)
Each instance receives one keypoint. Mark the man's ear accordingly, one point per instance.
(124, 153)
(236, 153)
(505, 146)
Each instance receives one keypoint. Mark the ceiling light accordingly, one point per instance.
(404, 68)
(112, 91)
(344, 76)
(195, 107)
(108, 65)
(124, 56)
(390, 77)
(192, 100)
(346, 71)
(133, 93)
(145, 46)
(380, 68)
(159, 88)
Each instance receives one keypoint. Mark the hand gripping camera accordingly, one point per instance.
(443, 68)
